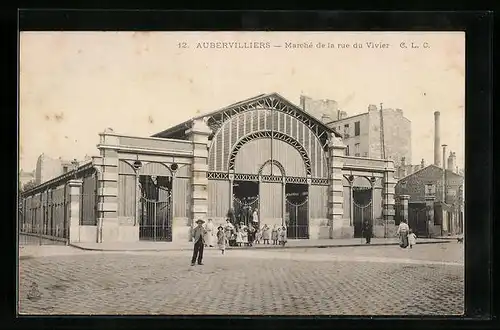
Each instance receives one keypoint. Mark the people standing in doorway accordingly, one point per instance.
(274, 235)
(255, 218)
(367, 231)
(251, 235)
(221, 239)
(198, 238)
(412, 239)
(266, 234)
(402, 231)
(210, 236)
(282, 236)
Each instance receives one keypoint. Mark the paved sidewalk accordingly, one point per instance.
(181, 246)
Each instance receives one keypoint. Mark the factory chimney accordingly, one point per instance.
(437, 140)
(452, 161)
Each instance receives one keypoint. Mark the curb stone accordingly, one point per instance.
(319, 246)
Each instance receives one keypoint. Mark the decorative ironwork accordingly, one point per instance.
(217, 176)
(272, 135)
(297, 219)
(273, 162)
(270, 101)
(271, 178)
(246, 177)
(320, 181)
(291, 179)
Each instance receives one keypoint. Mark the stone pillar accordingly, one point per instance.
(429, 203)
(107, 203)
(388, 199)
(74, 187)
(198, 134)
(339, 227)
(404, 205)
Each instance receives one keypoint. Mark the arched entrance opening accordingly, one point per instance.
(245, 200)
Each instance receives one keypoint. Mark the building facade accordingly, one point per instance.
(362, 134)
(448, 200)
(262, 154)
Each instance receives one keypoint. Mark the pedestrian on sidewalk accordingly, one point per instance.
(282, 236)
(403, 231)
(412, 239)
(221, 239)
(274, 235)
(367, 231)
(266, 234)
(199, 242)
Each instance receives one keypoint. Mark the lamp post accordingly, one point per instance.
(137, 166)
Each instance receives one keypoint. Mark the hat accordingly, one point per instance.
(220, 227)
(200, 221)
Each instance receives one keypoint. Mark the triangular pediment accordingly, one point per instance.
(272, 101)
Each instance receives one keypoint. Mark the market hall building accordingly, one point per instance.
(263, 154)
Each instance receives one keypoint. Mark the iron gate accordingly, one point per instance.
(417, 219)
(361, 212)
(156, 219)
(243, 209)
(297, 219)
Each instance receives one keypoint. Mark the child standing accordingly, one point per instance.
(412, 239)
(282, 237)
(221, 239)
(274, 235)
(266, 234)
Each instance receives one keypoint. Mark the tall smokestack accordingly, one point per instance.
(437, 140)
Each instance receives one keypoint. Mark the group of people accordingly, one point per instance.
(407, 237)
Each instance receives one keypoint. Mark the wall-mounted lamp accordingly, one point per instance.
(137, 164)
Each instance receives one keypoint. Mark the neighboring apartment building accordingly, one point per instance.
(448, 216)
(361, 133)
(48, 168)
(363, 138)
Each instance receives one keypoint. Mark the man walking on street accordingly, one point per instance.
(199, 242)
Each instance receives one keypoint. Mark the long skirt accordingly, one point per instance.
(403, 240)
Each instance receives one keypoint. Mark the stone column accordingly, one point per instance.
(388, 199)
(107, 203)
(429, 203)
(198, 134)
(74, 187)
(339, 227)
(404, 205)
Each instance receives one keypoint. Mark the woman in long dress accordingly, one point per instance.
(403, 231)
(210, 235)
(221, 239)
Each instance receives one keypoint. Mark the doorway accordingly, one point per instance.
(362, 209)
(245, 200)
(155, 208)
(297, 210)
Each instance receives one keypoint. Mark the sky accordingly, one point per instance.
(73, 85)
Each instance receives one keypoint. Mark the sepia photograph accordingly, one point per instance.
(241, 173)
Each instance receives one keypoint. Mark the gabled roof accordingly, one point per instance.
(180, 128)
(448, 172)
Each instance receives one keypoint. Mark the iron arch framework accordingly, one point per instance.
(270, 135)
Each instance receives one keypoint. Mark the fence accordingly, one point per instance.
(44, 215)
(44, 211)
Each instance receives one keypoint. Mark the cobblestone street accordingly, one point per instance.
(369, 280)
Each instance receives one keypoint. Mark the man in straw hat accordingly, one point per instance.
(198, 238)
